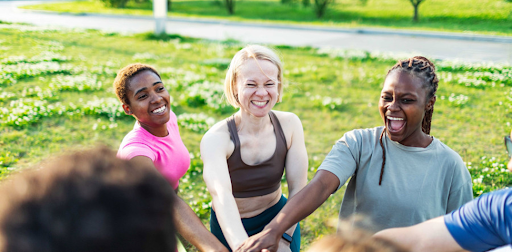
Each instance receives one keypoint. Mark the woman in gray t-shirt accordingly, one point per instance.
(400, 175)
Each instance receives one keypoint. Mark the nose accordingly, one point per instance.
(393, 105)
(156, 98)
(261, 91)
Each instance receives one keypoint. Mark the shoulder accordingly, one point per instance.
(446, 154)
(135, 147)
(368, 135)
(286, 118)
(135, 137)
(217, 137)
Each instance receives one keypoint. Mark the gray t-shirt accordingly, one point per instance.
(418, 183)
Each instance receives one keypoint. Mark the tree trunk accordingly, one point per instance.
(416, 17)
(416, 5)
(320, 7)
(230, 5)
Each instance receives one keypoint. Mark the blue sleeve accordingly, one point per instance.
(484, 223)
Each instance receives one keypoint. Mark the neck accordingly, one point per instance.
(251, 124)
(159, 131)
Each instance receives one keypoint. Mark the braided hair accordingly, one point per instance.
(423, 69)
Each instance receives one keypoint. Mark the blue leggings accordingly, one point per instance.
(256, 224)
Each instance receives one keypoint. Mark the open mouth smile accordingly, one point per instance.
(159, 110)
(259, 104)
(395, 124)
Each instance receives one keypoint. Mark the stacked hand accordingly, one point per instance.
(265, 241)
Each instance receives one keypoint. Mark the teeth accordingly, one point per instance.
(259, 103)
(159, 110)
(395, 118)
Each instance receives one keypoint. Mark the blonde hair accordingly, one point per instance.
(354, 237)
(255, 52)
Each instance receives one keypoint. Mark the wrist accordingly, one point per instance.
(273, 230)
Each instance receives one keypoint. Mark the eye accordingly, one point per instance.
(269, 84)
(141, 97)
(386, 98)
(251, 85)
(160, 89)
(407, 100)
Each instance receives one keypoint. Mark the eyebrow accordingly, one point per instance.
(144, 88)
(401, 94)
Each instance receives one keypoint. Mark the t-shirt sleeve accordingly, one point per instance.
(132, 150)
(461, 191)
(342, 159)
(484, 223)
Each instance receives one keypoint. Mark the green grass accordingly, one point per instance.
(473, 16)
(66, 102)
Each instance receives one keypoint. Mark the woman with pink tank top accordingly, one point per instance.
(155, 140)
(246, 155)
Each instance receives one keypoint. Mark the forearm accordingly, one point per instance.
(192, 229)
(229, 220)
(300, 206)
(431, 235)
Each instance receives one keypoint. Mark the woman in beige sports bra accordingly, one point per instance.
(245, 155)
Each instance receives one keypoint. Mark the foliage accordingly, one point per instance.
(66, 101)
(473, 16)
(115, 3)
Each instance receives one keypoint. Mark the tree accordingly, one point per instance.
(416, 4)
(115, 3)
(321, 6)
(230, 5)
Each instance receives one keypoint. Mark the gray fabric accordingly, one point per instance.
(418, 183)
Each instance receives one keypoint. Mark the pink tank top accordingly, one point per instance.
(169, 154)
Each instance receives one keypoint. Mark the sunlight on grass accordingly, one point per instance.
(56, 95)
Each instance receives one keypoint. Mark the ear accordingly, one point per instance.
(126, 109)
(430, 103)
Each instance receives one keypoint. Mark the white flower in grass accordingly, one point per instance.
(196, 122)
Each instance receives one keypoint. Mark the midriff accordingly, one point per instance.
(252, 206)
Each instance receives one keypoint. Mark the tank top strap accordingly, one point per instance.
(277, 128)
(234, 136)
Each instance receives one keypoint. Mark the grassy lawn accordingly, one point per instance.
(470, 16)
(56, 95)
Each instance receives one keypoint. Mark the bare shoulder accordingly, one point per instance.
(289, 121)
(217, 139)
(287, 118)
(219, 130)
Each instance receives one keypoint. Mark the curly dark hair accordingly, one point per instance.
(87, 201)
(122, 80)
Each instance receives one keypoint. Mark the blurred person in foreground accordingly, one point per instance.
(480, 225)
(89, 201)
(353, 239)
(155, 141)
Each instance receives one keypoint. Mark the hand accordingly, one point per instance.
(263, 241)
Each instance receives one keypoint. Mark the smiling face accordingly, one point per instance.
(402, 105)
(149, 102)
(257, 87)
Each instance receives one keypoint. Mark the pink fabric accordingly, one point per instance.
(169, 154)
